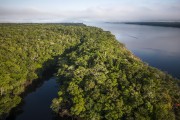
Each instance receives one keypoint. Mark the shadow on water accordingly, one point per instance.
(40, 93)
(44, 88)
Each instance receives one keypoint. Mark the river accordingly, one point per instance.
(157, 46)
(36, 104)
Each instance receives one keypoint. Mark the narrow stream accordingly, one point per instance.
(36, 105)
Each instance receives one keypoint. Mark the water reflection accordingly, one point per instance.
(36, 105)
(159, 46)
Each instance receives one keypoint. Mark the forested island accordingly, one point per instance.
(161, 24)
(98, 77)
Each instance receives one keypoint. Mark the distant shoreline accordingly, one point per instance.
(63, 23)
(162, 24)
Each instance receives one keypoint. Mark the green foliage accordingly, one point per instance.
(99, 78)
(24, 48)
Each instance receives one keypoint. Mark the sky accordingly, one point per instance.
(89, 10)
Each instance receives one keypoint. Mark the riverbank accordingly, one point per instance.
(35, 105)
(99, 77)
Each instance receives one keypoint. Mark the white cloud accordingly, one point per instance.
(98, 13)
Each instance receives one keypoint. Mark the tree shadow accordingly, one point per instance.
(49, 68)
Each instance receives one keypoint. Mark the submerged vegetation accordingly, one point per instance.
(99, 78)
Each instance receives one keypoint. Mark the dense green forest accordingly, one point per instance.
(99, 78)
(26, 50)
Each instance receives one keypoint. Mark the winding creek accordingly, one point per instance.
(36, 105)
(152, 44)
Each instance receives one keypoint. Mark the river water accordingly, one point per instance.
(36, 105)
(157, 46)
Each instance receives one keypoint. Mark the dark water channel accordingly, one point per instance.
(158, 46)
(36, 104)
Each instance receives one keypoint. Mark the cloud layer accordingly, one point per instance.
(113, 12)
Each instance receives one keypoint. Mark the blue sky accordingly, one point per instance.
(88, 10)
